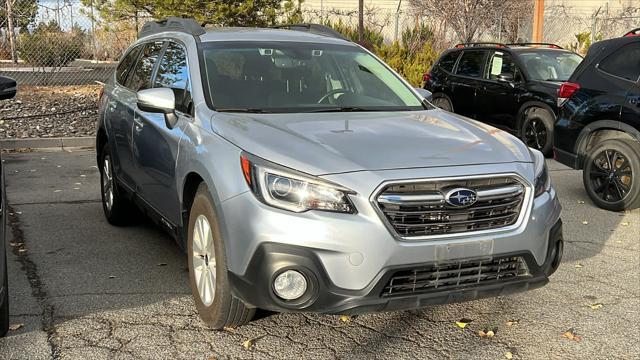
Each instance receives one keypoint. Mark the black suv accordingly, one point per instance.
(510, 86)
(598, 127)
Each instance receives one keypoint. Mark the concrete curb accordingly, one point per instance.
(48, 143)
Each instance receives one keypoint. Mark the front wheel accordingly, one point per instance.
(210, 288)
(537, 130)
(611, 174)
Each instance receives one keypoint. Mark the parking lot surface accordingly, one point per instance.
(82, 289)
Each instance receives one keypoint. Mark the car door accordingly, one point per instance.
(631, 108)
(500, 91)
(466, 81)
(119, 118)
(622, 67)
(156, 145)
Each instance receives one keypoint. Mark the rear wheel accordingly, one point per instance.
(537, 130)
(117, 209)
(612, 174)
(210, 288)
(443, 102)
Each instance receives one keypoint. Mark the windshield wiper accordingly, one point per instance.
(343, 109)
(244, 110)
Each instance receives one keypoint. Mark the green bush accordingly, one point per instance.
(49, 46)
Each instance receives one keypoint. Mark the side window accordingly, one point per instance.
(501, 64)
(173, 73)
(471, 64)
(621, 62)
(449, 60)
(124, 67)
(140, 77)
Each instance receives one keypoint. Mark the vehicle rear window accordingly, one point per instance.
(623, 63)
(471, 64)
(449, 60)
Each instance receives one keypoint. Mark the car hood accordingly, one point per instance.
(328, 143)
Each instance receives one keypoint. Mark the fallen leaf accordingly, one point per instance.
(490, 333)
(571, 335)
(585, 222)
(345, 318)
(481, 333)
(580, 201)
(596, 306)
(512, 322)
(162, 264)
(247, 344)
(21, 250)
(14, 327)
(578, 266)
(55, 191)
(626, 223)
(618, 241)
(508, 355)
(462, 323)
(14, 244)
(112, 276)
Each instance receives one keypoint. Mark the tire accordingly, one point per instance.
(443, 102)
(215, 303)
(4, 309)
(537, 130)
(117, 209)
(620, 191)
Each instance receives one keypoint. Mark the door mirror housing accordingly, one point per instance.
(425, 93)
(7, 88)
(159, 100)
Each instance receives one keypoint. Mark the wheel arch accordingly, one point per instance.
(599, 131)
(527, 106)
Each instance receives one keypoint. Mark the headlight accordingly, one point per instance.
(542, 179)
(287, 189)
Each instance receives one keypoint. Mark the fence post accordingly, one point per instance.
(93, 34)
(397, 20)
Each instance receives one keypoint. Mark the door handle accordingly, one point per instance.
(137, 124)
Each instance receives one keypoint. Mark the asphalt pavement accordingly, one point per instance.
(82, 289)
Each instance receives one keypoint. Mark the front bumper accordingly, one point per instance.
(348, 257)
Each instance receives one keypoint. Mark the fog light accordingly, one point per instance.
(290, 285)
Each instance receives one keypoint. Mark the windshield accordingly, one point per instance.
(301, 77)
(550, 65)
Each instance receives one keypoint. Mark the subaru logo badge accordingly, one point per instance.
(460, 197)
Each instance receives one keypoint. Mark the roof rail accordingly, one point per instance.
(476, 44)
(634, 32)
(185, 25)
(549, 45)
(317, 29)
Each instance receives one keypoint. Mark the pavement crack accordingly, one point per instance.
(38, 288)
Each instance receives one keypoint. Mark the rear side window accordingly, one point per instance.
(449, 60)
(471, 64)
(140, 78)
(173, 73)
(623, 63)
(124, 67)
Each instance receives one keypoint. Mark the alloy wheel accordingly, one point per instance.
(535, 134)
(204, 260)
(107, 182)
(611, 176)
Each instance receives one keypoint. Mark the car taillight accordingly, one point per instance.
(567, 89)
(426, 77)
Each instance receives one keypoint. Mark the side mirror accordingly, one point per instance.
(425, 93)
(159, 100)
(505, 78)
(7, 88)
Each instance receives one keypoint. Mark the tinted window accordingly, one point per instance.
(471, 63)
(501, 64)
(140, 78)
(173, 73)
(449, 60)
(550, 65)
(125, 65)
(624, 62)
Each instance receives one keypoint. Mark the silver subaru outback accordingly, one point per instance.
(301, 174)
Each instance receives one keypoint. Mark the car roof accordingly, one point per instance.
(514, 49)
(266, 34)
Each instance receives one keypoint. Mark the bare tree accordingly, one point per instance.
(470, 18)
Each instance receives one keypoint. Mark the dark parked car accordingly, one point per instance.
(598, 127)
(7, 91)
(510, 86)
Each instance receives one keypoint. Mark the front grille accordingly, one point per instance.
(420, 209)
(439, 277)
